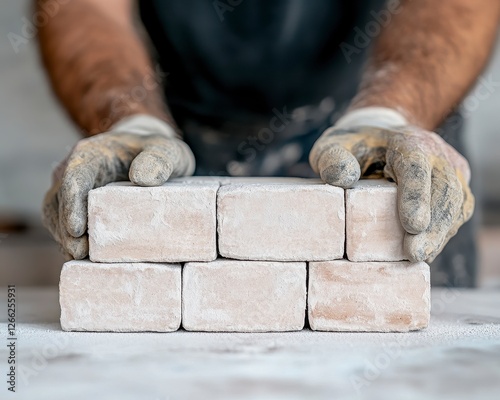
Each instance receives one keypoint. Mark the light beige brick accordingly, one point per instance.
(246, 180)
(128, 297)
(196, 180)
(369, 296)
(281, 222)
(373, 229)
(243, 296)
(175, 222)
(266, 180)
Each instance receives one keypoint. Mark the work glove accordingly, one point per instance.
(434, 198)
(141, 148)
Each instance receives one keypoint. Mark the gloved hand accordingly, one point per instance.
(141, 148)
(434, 198)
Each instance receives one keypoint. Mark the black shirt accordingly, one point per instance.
(233, 60)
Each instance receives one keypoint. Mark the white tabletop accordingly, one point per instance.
(457, 357)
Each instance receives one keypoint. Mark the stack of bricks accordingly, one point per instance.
(245, 255)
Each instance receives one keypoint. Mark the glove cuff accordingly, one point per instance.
(380, 117)
(143, 124)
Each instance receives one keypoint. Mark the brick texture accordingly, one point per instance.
(373, 229)
(281, 222)
(120, 297)
(175, 222)
(385, 297)
(244, 296)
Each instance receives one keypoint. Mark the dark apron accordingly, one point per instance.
(254, 83)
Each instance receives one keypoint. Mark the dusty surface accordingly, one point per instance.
(457, 357)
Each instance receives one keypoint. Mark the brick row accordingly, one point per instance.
(273, 219)
(244, 296)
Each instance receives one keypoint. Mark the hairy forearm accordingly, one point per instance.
(428, 57)
(99, 68)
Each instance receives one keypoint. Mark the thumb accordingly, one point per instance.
(338, 167)
(160, 160)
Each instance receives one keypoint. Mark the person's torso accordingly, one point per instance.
(230, 59)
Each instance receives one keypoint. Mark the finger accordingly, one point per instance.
(76, 247)
(150, 168)
(465, 215)
(72, 248)
(469, 199)
(412, 173)
(338, 149)
(65, 254)
(389, 173)
(89, 167)
(187, 164)
(368, 145)
(77, 182)
(94, 162)
(161, 159)
(338, 167)
(446, 205)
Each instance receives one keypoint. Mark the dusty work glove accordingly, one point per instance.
(141, 148)
(434, 198)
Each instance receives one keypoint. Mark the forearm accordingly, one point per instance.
(428, 57)
(99, 68)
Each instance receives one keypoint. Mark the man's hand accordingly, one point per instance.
(142, 149)
(434, 198)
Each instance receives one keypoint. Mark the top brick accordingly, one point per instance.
(171, 223)
(288, 220)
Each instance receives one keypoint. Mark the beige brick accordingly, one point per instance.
(266, 180)
(243, 296)
(281, 222)
(369, 296)
(171, 223)
(128, 297)
(373, 229)
(196, 180)
(246, 180)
